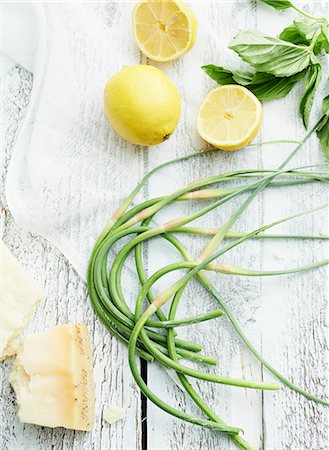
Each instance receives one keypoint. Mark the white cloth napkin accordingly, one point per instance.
(69, 170)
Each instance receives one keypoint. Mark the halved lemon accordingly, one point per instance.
(229, 117)
(164, 29)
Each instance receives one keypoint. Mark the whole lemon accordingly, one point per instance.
(142, 104)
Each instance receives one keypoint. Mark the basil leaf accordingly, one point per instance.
(299, 32)
(323, 129)
(305, 29)
(271, 55)
(243, 78)
(226, 76)
(302, 33)
(325, 32)
(314, 78)
(278, 4)
(292, 34)
(264, 86)
(274, 88)
(322, 42)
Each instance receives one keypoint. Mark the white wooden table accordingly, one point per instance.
(285, 317)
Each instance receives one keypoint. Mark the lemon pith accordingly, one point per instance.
(229, 117)
(142, 104)
(164, 29)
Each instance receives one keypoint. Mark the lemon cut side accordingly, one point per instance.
(229, 117)
(164, 29)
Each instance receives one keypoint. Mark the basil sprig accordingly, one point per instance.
(280, 62)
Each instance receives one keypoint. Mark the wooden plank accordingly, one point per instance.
(293, 318)
(253, 301)
(238, 407)
(65, 300)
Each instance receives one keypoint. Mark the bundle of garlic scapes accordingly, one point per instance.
(138, 329)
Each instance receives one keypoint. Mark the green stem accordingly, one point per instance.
(275, 141)
(260, 358)
(181, 283)
(235, 234)
(305, 14)
(231, 270)
(314, 39)
(151, 396)
(109, 302)
(187, 385)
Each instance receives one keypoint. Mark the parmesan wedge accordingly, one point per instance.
(114, 414)
(53, 378)
(19, 297)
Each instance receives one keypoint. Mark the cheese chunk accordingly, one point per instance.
(114, 414)
(19, 297)
(53, 378)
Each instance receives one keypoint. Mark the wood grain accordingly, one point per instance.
(254, 301)
(65, 300)
(285, 317)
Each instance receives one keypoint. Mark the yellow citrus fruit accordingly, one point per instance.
(142, 104)
(164, 29)
(229, 117)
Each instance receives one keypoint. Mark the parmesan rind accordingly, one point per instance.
(113, 414)
(19, 297)
(53, 378)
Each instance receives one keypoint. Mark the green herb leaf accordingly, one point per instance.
(243, 78)
(292, 34)
(274, 88)
(299, 32)
(305, 29)
(278, 4)
(325, 31)
(271, 55)
(226, 76)
(264, 86)
(323, 129)
(314, 78)
(302, 32)
(322, 42)
(325, 106)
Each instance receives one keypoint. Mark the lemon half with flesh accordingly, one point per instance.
(229, 117)
(164, 29)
